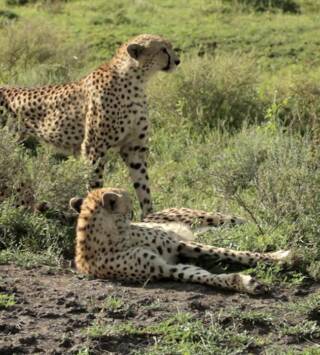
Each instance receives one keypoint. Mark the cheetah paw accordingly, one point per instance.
(284, 257)
(250, 285)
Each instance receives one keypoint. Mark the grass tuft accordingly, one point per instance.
(6, 301)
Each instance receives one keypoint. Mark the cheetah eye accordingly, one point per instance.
(164, 50)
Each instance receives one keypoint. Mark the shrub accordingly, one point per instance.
(228, 91)
(6, 15)
(219, 91)
(13, 165)
(269, 5)
(49, 180)
(236, 166)
(275, 178)
(57, 181)
(297, 104)
(26, 2)
(20, 229)
(16, 2)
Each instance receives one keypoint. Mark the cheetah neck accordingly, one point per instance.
(129, 69)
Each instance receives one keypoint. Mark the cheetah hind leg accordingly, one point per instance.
(143, 264)
(199, 221)
(197, 250)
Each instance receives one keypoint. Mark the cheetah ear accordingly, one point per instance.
(75, 203)
(135, 50)
(110, 201)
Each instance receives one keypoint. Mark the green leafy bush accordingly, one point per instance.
(290, 6)
(57, 181)
(220, 92)
(47, 181)
(14, 170)
(26, 2)
(296, 102)
(22, 230)
(275, 178)
(7, 15)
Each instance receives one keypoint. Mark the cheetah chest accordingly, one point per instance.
(131, 125)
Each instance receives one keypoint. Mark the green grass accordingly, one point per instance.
(179, 334)
(277, 38)
(6, 301)
(305, 331)
(221, 332)
(28, 259)
(113, 303)
(84, 351)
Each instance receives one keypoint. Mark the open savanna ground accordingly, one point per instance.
(235, 129)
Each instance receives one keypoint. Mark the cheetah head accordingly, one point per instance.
(153, 53)
(110, 205)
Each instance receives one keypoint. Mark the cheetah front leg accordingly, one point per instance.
(196, 250)
(135, 158)
(141, 264)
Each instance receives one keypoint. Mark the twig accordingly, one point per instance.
(248, 210)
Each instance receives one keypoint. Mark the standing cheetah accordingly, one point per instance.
(108, 245)
(106, 109)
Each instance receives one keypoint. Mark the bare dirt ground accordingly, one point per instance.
(54, 307)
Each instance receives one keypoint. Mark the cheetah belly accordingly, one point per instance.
(53, 114)
(64, 129)
(155, 237)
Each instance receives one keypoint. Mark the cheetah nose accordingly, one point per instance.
(177, 62)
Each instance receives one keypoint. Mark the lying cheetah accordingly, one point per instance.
(108, 245)
(106, 109)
